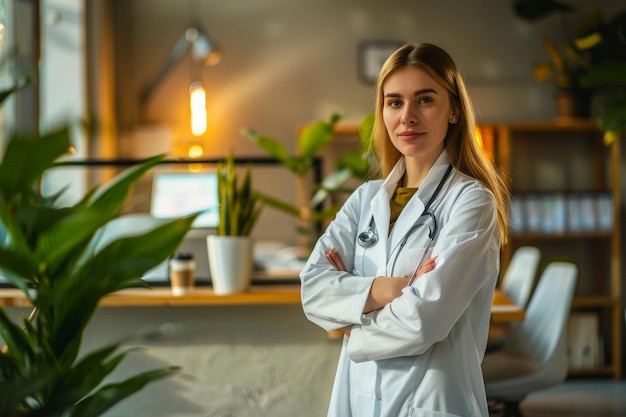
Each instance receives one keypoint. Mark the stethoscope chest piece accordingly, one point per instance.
(368, 238)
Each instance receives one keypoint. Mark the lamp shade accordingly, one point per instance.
(203, 50)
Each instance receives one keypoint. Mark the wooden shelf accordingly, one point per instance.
(605, 371)
(593, 301)
(567, 156)
(563, 236)
(256, 295)
(504, 310)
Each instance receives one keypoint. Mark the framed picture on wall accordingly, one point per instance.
(371, 57)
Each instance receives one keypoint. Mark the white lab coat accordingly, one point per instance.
(420, 355)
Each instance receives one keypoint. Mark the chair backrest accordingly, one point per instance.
(541, 335)
(519, 278)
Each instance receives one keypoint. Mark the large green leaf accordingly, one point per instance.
(273, 147)
(330, 184)
(85, 376)
(612, 113)
(109, 395)
(19, 267)
(5, 94)
(607, 74)
(17, 342)
(279, 204)
(20, 390)
(112, 196)
(315, 137)
(25, 159)
(131, 257)
(69, 236)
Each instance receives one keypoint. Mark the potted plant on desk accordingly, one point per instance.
(230, 250)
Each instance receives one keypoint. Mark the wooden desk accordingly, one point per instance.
(503, 310)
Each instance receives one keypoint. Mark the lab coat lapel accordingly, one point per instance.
(415, 207)
(379, 206)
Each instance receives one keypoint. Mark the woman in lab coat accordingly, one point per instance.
(414, 337)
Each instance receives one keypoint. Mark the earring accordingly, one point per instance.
(453, 120)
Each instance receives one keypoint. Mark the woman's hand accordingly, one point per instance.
(336, 260)
(384, 289)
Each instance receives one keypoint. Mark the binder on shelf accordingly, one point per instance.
(583, 341)
(574, 213)
(588, 212)
(604, 211)
(534, 213)
(555, 213)
(517, 214)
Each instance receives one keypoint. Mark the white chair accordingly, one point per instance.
(519, 278)
(517, 284)
(534, 357)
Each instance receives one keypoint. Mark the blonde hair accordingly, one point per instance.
(460, 143)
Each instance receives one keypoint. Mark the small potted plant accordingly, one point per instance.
(591, 65)
(230, 250)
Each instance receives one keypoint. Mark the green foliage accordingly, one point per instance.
(592, 60)
(313, 139)
(537, 9)
(46, 255)
(239, 206)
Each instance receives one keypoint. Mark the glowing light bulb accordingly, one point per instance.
(195, 151)
(197, 102)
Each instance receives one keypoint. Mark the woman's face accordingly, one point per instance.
(416, 112)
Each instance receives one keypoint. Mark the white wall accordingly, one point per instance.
(286, 63)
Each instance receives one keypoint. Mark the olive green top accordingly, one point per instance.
(400, 198)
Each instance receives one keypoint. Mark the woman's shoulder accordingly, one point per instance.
(465, 184)
(366, 189)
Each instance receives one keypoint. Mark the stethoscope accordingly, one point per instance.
(369, 238)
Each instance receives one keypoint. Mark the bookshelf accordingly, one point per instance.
(565, 200)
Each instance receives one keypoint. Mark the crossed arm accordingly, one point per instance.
(384, 289)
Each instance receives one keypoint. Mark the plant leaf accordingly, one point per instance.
(26, 158)
(273, 147)
(606, 74)
(537, 9)
(109, 395)
(111, 197)
(612, 113)
(315, 137)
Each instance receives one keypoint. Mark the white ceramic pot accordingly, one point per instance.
(230, 263)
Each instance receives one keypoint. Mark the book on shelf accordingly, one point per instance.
(584, 347)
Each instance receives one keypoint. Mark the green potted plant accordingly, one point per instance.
(45, 255)
(230, 250)
(311, 209)
(592, 62)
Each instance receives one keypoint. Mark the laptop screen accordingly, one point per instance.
(179, 193)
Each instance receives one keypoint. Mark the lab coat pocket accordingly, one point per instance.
(411, 260)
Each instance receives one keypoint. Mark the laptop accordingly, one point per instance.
(180, 193)
(176, 193)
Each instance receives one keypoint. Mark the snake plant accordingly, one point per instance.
(239, 205)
